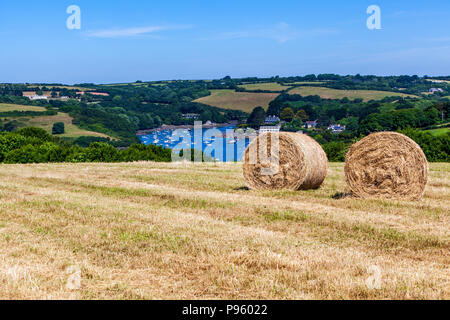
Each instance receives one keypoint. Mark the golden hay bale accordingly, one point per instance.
(387, 165)
(302, 162)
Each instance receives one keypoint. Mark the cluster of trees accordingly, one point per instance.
(34, 145)
(132, 107)
(399, 119)
(402, 84)
(18, 114)
(436, 148)
(256, 118)
(360, 118)
(127, 108)
(58, 128)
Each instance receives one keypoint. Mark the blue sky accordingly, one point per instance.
(122, 41)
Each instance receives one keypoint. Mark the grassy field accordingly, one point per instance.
(328, 93)
(245, 101)
(439, 132)
(438, 81)
(271, 86)
(46, 122)
(64, 87)
(307, 82)
(7, 107)
(160, 231)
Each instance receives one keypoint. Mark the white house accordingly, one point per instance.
(272, 129)
(36, 97)
(194, 116)
(272, 120)
(311, 124)
(336, 128)
(433, 90)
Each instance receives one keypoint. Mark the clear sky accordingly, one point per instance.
(129, 40)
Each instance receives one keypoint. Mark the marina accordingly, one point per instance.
(219, 143)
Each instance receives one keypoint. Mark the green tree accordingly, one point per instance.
(335, 151)
(275, 108)
(32, 132)
(102, 152)
(295, 125)
(302, 115)
(58, 128)
(287, 114)
(257, 118)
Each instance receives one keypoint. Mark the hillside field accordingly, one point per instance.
(438, 81)
(245, 101)
(328, 93)
(46, 122)
(182, 231)
(8, 107)
(72, 131)
(439, 132)
(270, 86)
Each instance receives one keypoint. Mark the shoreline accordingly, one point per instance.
(184, 127)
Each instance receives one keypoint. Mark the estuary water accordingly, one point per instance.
(219, 143)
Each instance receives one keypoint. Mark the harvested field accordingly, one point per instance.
(8, 107)
(46, 122)
(328, 93)
(245, 101)
(160, 231)
(270, 86)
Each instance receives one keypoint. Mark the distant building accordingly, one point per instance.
(36, 97)
(434, 90)
(103, 94)
(267, 129)
(311, 124)
(194, 116)
(272, 120)
(82, 93)
(336, 128)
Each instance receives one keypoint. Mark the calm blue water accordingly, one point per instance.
(217, 143)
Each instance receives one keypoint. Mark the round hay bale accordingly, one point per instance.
(299, 164)
(387, 165)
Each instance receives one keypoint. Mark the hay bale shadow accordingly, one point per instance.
(245, 188)
(341, 195)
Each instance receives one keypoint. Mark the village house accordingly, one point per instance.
(194, 116)
(272, 129)
(272, 120)
(103, 94)
(36, 97)
(336, 128)
(311, 124)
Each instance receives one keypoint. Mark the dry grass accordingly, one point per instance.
(271, 86)
(245, 101)
(159, 231)
(307, 82)
(328, 93)
(46, 123)
(438, 81)
(8, 107)
(63, 87)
